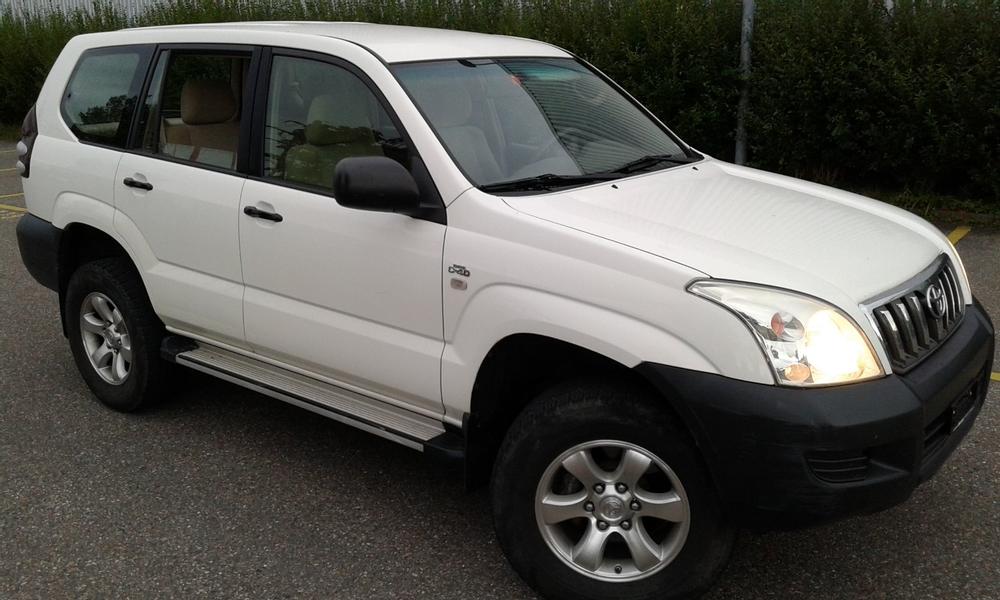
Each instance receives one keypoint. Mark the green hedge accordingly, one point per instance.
(842, 91)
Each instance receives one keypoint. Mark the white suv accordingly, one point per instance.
(481, 248)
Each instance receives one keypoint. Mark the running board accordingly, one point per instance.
(340, 404)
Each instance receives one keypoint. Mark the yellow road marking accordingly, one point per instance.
(958, 233)
(8, 170)
(13, 208)
(995, 376)
(11, 195)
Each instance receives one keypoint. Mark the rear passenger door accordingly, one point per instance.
(180, 186)
(349, 295)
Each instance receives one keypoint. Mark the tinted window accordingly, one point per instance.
(319, 114)
(508, 119)
(101, 94)
(194, 107)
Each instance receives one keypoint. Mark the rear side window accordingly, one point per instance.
(101, 95)
(194, 108)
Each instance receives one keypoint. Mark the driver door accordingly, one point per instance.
(352, 297)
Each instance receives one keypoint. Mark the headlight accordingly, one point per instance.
(806, 341)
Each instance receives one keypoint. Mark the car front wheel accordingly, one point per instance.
(599, 493)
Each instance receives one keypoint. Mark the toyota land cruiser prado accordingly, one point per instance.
(482, 248)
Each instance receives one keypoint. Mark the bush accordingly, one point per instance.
(842, 91)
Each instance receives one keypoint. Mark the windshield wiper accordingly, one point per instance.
(651, 160)
(547, 181)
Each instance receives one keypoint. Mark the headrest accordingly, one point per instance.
(447, 104)
(207, 101)
(337, 121)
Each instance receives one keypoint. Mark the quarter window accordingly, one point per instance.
(194, 107)
(319, 114)
(101, 94)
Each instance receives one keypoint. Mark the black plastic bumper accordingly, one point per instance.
(38, 241)
(784, 457)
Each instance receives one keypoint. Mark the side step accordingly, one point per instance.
(349, 407)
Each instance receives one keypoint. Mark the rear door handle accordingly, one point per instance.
(253, 211)
(142, 185)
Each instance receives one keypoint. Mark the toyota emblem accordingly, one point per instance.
(936, 302)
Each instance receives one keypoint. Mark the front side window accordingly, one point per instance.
(194, 107)
(101, 94)
(508, 119)
(319, 114)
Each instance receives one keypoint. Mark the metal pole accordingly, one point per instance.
(746, 36)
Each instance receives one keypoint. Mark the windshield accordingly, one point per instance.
(511, 120)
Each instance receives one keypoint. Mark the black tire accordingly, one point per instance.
(585, 411)
(117, 279)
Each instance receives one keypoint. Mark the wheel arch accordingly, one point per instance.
(519, 367)
(79, 244)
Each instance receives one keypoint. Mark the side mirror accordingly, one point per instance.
(375, 183)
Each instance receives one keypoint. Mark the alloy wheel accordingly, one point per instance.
(105, 338)
(612, 510)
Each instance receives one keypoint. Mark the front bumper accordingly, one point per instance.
(784, 457)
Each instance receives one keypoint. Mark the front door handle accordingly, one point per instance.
(253, 211)
(142, 185)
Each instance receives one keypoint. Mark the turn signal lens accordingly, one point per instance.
(798, 373)
(786, 327)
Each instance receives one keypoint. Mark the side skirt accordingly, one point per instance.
(346, 406)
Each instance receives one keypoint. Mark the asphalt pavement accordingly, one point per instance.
(223, 493)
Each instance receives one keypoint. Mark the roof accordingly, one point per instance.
(397, 43)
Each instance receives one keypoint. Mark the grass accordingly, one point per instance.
(942, 208)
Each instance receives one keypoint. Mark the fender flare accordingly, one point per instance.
(502, 310)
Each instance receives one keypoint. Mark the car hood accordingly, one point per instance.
(736, 223)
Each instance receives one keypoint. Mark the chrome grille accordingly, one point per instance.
(915, 320)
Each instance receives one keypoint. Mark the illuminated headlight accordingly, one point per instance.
(807, 342)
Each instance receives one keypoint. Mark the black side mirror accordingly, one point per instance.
(375, 183)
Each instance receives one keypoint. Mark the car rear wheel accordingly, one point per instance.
(599, 493)
(114, 334)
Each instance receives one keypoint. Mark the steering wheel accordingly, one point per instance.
(571, 137)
